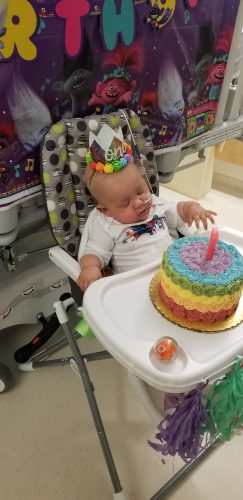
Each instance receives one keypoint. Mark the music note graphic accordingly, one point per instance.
(30, 165)
(135, 97)
(187, 16)
(16, 168)
(163, 130)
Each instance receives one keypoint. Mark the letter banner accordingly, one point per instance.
(164, 59)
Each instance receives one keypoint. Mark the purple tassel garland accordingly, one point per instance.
(184, 430)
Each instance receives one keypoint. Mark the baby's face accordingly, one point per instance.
(126, 196)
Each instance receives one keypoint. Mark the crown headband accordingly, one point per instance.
(118, 72)
(108, 151)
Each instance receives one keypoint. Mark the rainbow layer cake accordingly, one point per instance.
(198, 289)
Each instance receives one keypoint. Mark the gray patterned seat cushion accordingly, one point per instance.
(68, 200)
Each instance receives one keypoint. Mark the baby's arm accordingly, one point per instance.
(191, 211)
(95, 250)
(90, 271)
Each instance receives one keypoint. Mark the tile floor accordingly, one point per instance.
(49, 450)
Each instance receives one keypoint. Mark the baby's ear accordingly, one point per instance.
(102, 209)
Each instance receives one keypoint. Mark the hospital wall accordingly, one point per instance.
(228, 168)
(221, 169)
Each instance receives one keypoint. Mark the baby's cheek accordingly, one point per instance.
(128, 216)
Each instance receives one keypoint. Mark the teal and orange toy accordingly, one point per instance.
(166, 349)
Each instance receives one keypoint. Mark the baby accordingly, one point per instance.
(130, 226)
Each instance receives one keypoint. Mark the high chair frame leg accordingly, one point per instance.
(162, 492)
(81, 360)
(84, 374)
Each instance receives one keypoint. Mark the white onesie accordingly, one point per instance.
(131, 245)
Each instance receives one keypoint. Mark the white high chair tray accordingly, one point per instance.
(122, 316)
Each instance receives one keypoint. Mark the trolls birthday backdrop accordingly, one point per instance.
(165, 59)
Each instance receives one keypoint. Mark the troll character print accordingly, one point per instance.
(117, 85)
(150, 227)
(170, 100)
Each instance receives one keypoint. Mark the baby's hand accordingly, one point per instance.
(195, 213)
(87, 276)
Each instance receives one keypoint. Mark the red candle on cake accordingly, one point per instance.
(213, 240)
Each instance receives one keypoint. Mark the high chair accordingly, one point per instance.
(68, 203)
(128, 332)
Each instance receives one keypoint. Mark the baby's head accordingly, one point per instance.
(123, 195)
